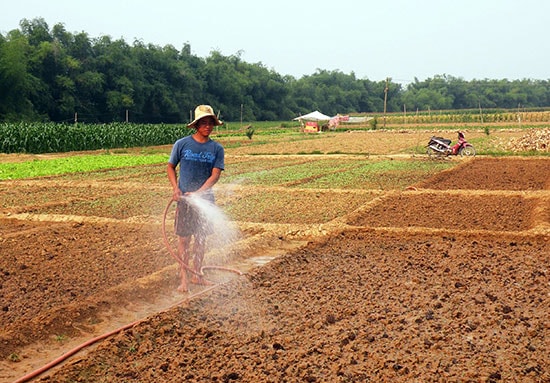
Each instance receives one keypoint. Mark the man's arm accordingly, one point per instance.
(211, 181)
(173, 178)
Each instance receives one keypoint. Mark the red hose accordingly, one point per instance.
(70, 353)
(65, 356)
(167, 243)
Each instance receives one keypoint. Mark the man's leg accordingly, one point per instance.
(183, 251)
(199, 248)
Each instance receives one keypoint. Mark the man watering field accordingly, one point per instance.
(201, 161)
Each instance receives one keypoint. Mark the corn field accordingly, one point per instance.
(53, 138)
(507, 117)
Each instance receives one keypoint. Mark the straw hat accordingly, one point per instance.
(202, 111)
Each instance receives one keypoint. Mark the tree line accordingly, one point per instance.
(55, 75)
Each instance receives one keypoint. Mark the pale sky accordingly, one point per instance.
(400, 39)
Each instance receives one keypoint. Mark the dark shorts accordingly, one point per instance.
(191, 221)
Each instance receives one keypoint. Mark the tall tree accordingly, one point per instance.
(51, 75)
(16, 83)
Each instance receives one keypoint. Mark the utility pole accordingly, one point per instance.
(480, 112)
(385, 101)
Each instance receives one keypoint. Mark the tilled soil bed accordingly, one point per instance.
(447, 281)
(359, 306)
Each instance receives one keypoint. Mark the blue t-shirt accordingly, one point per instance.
(196, 162)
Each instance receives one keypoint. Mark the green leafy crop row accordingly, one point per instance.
(76, 164)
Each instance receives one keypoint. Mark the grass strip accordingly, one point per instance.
(76, 164)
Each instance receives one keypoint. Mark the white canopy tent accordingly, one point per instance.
(313, 116)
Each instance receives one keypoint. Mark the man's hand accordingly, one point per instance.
(176, 196)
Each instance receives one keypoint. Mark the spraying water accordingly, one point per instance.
(224, 232)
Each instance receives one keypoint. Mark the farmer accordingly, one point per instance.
(455, 147)
(201, 161)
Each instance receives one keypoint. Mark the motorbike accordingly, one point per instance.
(439, 146)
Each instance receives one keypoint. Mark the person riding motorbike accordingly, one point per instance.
(456, 146)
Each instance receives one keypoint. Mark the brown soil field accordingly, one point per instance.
(440, 278)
